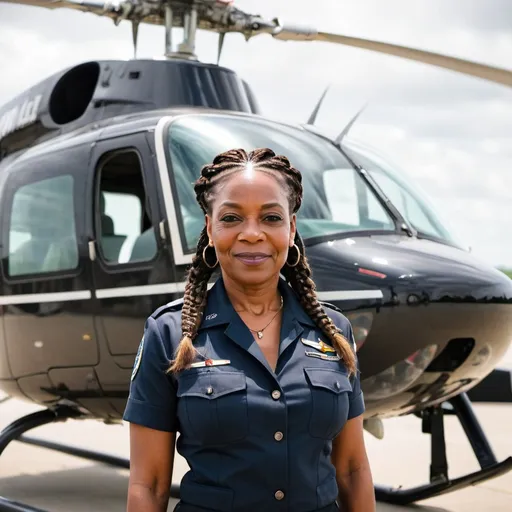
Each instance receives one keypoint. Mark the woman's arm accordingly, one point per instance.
(151, 412)
(353, 474)
(151, 464)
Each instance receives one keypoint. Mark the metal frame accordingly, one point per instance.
(440, 482)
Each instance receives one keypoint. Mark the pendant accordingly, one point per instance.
(260, 334)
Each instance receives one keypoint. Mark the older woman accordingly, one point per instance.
(258, 377)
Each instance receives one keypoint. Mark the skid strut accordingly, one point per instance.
(13, 432)
(440, 483)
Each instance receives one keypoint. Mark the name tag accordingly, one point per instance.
(319, 345)
(325, 357)
(210, 362)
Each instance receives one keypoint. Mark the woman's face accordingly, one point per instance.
(250, 226)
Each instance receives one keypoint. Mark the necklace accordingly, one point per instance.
(260, 332)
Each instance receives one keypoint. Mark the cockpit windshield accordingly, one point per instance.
(409, 201)
(336, 198)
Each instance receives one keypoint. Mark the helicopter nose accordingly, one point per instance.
(403, 295)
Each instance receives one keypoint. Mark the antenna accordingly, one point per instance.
(314, 114)
(347, 128)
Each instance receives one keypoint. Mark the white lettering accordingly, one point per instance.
(20, 116)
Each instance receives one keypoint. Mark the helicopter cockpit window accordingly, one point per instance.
(42, 235)
(123, 226)
(336, 198)
(406, 199)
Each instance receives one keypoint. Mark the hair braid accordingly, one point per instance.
(193, 306)
(300, 280)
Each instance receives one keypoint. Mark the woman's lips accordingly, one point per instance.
(252, 258)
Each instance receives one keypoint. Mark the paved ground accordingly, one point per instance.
(60, 483)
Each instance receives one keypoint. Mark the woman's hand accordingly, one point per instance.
(151, 465)
(353, 474)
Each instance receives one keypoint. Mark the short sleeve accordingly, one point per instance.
(356, 398)
(152, 399)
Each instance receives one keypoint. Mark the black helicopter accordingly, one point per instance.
(98, 224)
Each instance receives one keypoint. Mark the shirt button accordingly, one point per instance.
(279, 495)
(278, 436)
(276, 394)
(209, 391)
(338, 385)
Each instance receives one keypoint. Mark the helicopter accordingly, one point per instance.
(98, 226)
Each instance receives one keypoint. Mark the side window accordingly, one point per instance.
(123, 225)
(42, 234)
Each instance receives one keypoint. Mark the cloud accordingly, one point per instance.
(450, 133)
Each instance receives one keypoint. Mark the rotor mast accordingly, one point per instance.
(186, 49)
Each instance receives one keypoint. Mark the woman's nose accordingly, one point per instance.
(251, 231)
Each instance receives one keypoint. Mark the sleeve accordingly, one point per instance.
(356, 397)
(152, 399)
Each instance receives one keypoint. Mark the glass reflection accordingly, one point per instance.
(336, 198)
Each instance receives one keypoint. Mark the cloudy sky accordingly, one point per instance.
(450, 133)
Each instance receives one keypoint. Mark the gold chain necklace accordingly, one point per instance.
(260, 332)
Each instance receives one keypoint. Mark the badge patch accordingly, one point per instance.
(319, 345)
(210, 362)
(325, 357)
(138, 358)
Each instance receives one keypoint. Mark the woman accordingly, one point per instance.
(256, 375)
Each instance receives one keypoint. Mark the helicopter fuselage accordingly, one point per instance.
(98, 229)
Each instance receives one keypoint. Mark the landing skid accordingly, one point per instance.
(432, 424)
(440, 482)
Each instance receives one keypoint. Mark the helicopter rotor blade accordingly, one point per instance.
(493, 74)
(222, 16)
(99, 7)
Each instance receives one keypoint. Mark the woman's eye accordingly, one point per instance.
(229, 218)
(273, 218)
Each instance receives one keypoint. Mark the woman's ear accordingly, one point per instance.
(208, 226)
(293, 229)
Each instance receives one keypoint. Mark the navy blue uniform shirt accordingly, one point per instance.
(255, 440)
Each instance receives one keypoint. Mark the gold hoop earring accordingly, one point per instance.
(204, 257)
(298, 256)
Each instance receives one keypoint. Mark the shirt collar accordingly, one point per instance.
(219, 309)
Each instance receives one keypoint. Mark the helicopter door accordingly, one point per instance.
(46, 295)
(131, 269)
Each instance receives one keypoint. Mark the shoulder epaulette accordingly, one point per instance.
(175, 305)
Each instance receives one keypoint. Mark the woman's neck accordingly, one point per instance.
(257, 299)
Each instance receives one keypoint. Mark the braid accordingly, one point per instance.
(193, 305)
(299, 277)
(300, 280)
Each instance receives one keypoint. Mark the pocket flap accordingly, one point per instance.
(326, 378)
(211, 384)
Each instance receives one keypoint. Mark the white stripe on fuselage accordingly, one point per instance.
(165, 288)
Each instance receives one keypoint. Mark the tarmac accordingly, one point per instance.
(62, 483)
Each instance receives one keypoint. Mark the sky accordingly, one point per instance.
(449, 133)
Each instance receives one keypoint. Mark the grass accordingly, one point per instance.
(507, 271)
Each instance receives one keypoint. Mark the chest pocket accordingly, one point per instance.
(212, 406)
(329, 401)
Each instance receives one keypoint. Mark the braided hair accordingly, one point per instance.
(298, 276)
